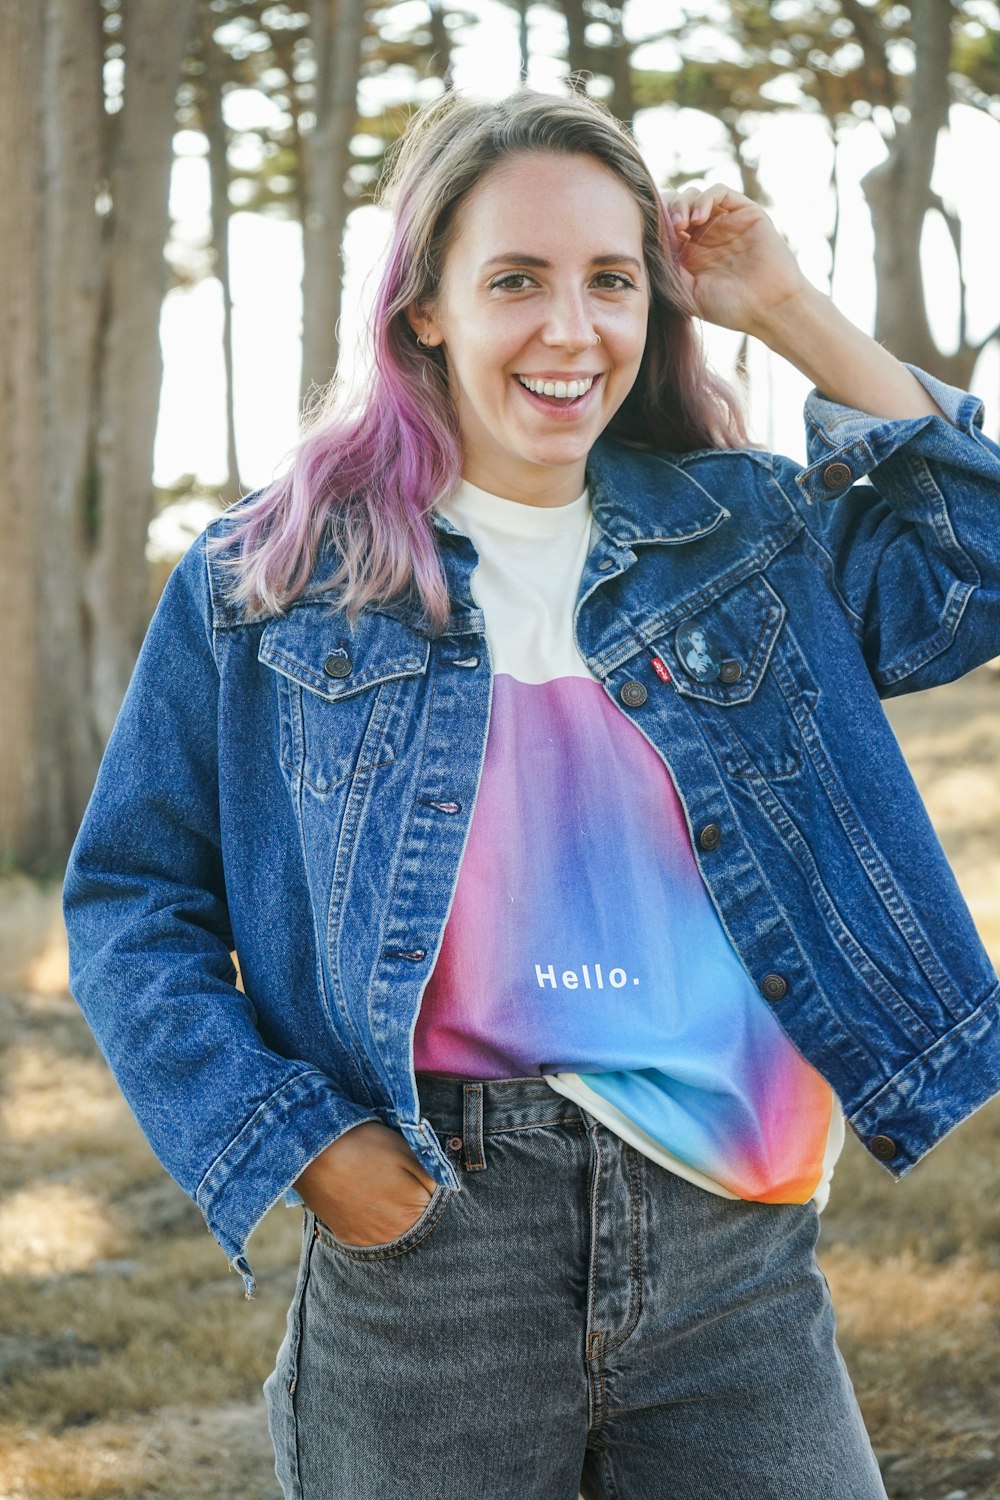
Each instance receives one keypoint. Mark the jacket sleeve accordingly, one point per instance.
(913, 554)
(150, 944)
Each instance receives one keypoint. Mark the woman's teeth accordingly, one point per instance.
(563, 390)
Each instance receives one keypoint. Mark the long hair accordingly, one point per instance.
(370, 467)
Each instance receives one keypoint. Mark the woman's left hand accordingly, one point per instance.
(734, 262)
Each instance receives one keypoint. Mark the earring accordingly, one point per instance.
(424, 344)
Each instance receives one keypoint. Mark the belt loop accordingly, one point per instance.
(472, 1127)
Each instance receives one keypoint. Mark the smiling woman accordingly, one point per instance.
(543, 344)
(369, 469)
(524, 741)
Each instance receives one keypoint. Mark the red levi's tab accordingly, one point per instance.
(660, 669)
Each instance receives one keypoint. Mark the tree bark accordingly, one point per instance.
(131, 366)
(523, 45)
(441, 65)
(577, 52)
(218, 168)
(622, 101)
(81, 283)
(899, 195)
(50, 116)
(337, 28)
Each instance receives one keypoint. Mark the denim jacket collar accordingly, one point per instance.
(626, 491)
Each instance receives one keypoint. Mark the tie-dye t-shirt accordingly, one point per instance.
(582, 943)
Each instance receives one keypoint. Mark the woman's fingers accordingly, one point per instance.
(693, 206)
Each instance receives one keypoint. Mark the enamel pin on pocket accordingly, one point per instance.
(697, 652)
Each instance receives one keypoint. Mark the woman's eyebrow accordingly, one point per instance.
(516, 258)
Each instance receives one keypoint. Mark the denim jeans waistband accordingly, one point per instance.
(465, 1111)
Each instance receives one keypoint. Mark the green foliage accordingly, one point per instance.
(264, 46)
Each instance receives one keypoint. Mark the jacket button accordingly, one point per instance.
(774, 987)
(338, 664)
(837, 476)
(603, 567)
(730, 671)
(710, 836)
(883, 1147)
(633, 694)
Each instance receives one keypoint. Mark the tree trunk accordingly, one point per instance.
(131, 366)
(577, 51)
(51, 107)
(441, 60)
(622, 101)
(218, 167)
(81, 283)
(337, 27)
(899, 195)
(523, 45)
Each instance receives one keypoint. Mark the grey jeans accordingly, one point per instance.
(574, 1320)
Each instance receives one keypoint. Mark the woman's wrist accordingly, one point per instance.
(841, 361)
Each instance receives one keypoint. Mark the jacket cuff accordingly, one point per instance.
(934, 1093)
(844, 444)
(286, 1133)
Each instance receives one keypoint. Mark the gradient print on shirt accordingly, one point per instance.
(582, 940)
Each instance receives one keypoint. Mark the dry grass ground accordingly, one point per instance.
(130, 1364)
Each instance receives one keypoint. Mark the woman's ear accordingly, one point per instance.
(421, 319)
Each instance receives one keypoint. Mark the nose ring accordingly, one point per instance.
(597, 338)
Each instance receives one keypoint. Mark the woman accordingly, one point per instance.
(525, 743)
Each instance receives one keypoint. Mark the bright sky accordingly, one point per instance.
(795, 164)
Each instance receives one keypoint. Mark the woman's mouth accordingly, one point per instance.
(558, 395)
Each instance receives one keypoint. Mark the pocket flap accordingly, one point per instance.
(720, 652)
(314, 646)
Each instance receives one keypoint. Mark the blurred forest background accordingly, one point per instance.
(129, 1365)
(99, 97)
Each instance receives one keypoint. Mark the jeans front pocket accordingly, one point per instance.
(424, 1225)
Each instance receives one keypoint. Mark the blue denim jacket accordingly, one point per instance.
(300, 794)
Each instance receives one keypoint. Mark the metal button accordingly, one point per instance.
(338, 664)
(731, 671)
(883, 1147)
(837, 476)
(710, 836)
(633, 694)
(774, 987)
(454, 1143)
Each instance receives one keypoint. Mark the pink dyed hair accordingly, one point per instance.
(368, 471)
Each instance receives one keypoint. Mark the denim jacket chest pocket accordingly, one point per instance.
(737, 663)
(342, 694)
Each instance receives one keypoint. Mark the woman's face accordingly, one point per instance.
(546, 256)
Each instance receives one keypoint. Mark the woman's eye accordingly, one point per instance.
(605, 281)
(514, 281)
(615, 281)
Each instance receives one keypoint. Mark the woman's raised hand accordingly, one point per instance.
(736, 266)
(368, 1187)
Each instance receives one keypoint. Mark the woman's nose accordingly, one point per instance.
(569, 325)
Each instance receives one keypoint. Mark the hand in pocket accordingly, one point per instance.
(368, 1187)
